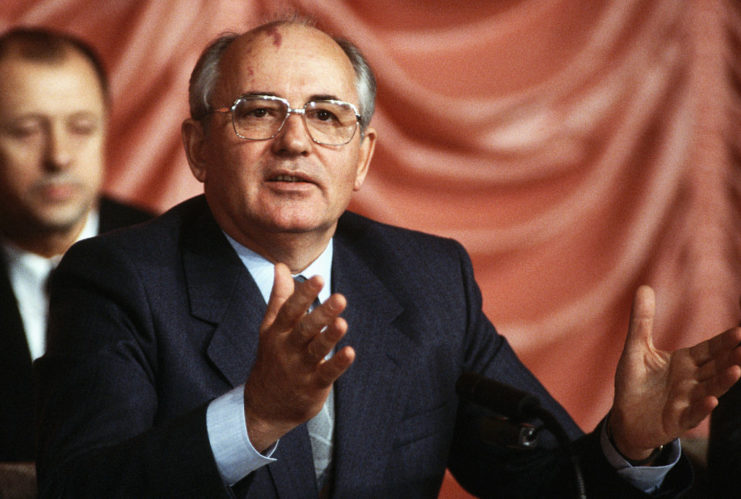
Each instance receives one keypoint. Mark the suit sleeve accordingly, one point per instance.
(724, 449)
(99, 431)
(489, 468)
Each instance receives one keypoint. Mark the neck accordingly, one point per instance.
(46, 244)
(297, 251)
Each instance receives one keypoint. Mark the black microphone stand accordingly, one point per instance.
(517, 406)
(552, 424)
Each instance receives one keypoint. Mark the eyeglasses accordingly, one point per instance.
(261, 117)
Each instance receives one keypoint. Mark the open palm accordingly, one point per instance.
(659, 395)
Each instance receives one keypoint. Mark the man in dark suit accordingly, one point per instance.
(260, 341)
(53, 120)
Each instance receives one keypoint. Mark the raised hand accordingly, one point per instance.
(290, 379)
(659, 395)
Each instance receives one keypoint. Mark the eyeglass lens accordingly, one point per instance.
(330, 123)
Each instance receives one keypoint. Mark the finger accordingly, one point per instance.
(329, 371)
(718, 345)
(323, 343)
(282, 289)
(641, 319)
(323, 315)
(310, 326)
(720, 361)
(721, 382)
(696, 412)
(295, 307)
(725, 380)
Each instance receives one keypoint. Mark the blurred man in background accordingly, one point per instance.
(54, 108)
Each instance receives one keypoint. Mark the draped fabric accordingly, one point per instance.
(576, 149)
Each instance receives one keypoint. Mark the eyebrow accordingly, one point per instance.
(37, 115)
(315, 97)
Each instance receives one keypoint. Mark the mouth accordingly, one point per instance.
(287, 178)
(290, 177)
(59, 191)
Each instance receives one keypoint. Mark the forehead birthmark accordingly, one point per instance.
(277, 37)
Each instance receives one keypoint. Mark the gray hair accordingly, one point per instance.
(365, 82)
(206, 73)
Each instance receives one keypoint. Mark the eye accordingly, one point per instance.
(83, 124)
(322, 114)
(83, 127)
(330, 114)
(251, 111)
(24, 129)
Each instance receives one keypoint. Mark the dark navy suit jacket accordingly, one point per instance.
(151, 323)
(724, 446)
(16, 384)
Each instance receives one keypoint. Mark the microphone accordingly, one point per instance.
(498, 397)
(517, 405)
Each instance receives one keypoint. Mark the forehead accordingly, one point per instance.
(292, 61)
(29, 86)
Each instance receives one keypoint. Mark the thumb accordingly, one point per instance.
(641, 319)
(282, 289)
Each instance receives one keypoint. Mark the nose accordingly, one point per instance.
(58, 149)
(293, 138)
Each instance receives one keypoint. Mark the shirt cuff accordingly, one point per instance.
(227, 433)
(645, 478)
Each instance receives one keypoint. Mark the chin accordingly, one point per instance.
(300, 226)
(62, 218)
(293, 220)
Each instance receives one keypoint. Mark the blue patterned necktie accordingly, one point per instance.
(320, 429)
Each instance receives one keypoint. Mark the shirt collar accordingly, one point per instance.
(92, 225)
(263, 271)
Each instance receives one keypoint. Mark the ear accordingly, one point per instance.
(367, 146)
(194, 137)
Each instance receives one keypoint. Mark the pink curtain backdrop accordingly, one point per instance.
(577, 150)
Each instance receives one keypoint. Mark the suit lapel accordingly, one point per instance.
(368, 393)
(14, 344)
(293, 472)
(16, 379)
(114, 215)
(222, 292)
